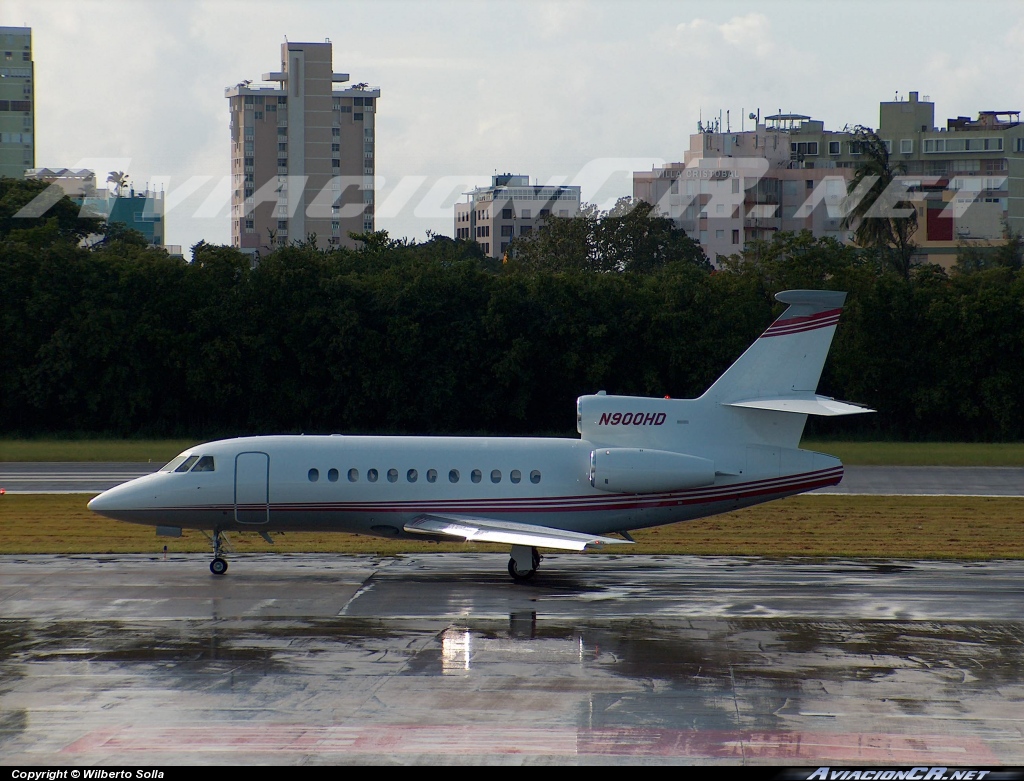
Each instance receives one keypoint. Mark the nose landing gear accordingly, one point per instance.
(219, 565)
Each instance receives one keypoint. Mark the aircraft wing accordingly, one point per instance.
(472, 529)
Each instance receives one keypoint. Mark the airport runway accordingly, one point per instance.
(54, 478)
(440, 659)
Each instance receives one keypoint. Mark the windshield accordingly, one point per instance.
(173, 464)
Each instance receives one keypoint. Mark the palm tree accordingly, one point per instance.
(875, 212)
(119, 179)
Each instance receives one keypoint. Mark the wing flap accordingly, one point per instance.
(473, 529)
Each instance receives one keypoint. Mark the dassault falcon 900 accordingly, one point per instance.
(639, 462)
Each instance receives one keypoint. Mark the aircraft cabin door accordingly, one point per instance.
(252, 487)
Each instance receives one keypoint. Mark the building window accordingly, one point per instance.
(335, 131)
(335, 147)
(524, 213)
(358, 116)
(282, 225)
(506, 230)
(525, 230)
(906, 146)
(833, 147)
(506, 214)
(735, 237)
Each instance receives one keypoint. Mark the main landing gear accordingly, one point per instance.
(219, 565)
(524, 563)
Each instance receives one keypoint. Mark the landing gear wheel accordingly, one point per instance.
(218, 566)
(523, 564)
(518, 575)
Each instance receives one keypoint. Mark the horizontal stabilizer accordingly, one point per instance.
(473, 529)
(810, 404)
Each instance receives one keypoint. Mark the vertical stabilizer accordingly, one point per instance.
(786, 361)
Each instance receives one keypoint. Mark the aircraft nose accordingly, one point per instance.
(101, 503)
(120, 498)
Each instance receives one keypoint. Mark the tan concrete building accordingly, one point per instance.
(510, 207)
(302, 154)
(790, 173)
(17, 102)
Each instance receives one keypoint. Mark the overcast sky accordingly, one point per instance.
(570, 91)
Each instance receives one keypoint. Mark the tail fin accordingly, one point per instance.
(780, 371)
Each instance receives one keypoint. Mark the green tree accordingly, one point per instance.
(53, 215)
(879, 213)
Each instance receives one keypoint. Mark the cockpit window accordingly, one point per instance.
(205, 464)
(187, 464)
(174, 463)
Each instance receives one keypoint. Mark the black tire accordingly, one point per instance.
(218, 566)
(518, 575)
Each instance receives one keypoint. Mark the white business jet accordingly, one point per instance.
(639, 462)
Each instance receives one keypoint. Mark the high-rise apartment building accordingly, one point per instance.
(17, 99)
(302, 154)
(511, 206)
(789, 174)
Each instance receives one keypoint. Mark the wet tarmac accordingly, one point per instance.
(439, 658)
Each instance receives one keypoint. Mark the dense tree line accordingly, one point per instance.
(119, 338)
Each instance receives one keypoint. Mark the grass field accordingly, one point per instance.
(855, 526)
(864, 453)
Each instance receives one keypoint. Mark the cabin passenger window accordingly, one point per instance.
(534, 477)
(332, 475)
(411, 475)
(515, 475)
(476, 475)
(392, 475)
(205, 464)
(353, 475)
(431, 475)
(495, 475)
(187, 464)
(371, 475)
(453, 476)
(314, 475)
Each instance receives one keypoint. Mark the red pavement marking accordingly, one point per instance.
(779, 747)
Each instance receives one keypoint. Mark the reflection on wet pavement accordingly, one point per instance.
(410, 662)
